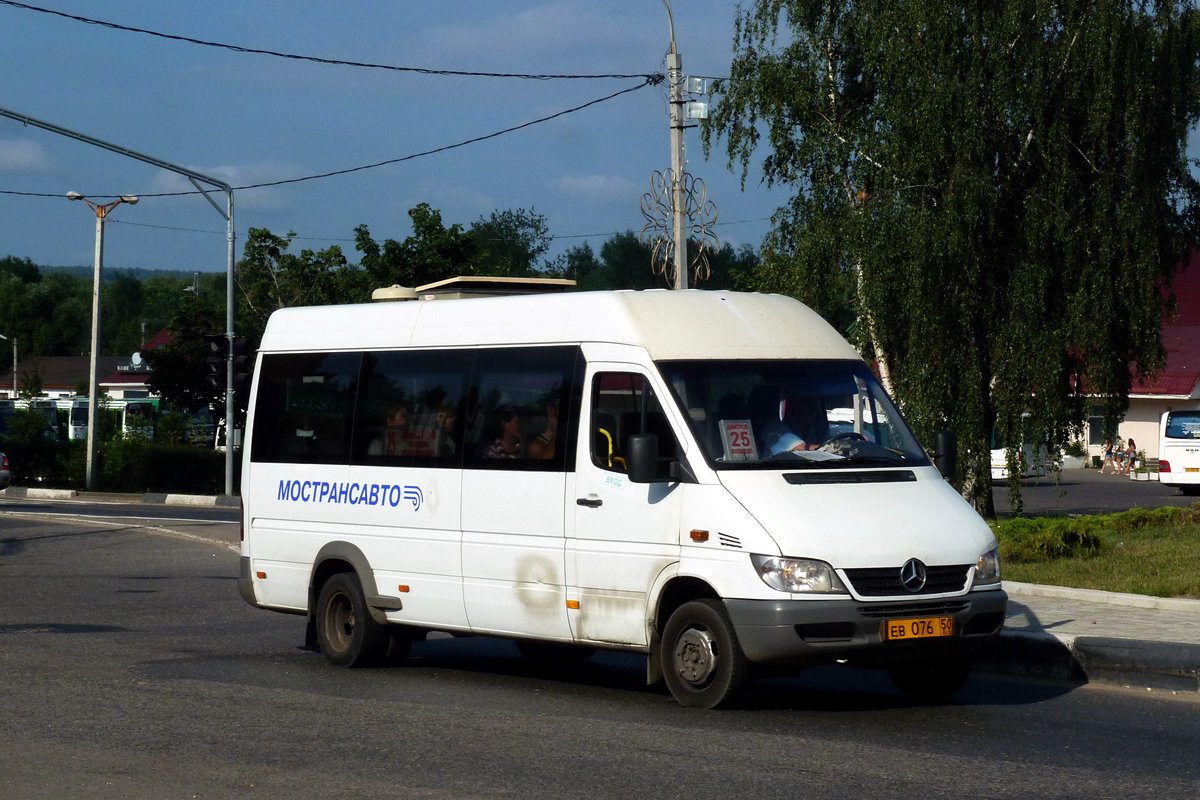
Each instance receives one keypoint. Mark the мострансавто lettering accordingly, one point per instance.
(364, 494)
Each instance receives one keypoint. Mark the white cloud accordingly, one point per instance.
(22, 155)
(597, 189)
(269, 198)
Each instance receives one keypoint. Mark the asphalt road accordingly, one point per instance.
(1086, 491)
(130, 668)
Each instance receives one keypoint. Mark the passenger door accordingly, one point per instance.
(625, 533)
(514, 489)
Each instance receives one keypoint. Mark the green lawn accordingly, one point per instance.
(1162, 560)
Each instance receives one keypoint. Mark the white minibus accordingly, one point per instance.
(1179, 450)
(713, 479)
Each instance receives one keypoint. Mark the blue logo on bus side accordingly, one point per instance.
(356, 494)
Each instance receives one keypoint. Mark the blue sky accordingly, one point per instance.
(253, 118)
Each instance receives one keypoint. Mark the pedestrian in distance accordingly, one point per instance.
(1130, 457)
(1108, 457)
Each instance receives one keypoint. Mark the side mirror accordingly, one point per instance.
(945, 454)
(641, 456)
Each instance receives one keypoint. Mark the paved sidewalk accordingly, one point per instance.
(1084, 635)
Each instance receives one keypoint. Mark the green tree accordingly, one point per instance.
(123, 301)
(22, 268)
(180, 367)
(270, 278)
(1003, 185)
(512, 243)
(432, 253)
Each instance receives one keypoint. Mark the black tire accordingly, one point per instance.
(554, 652)
(935, 679)
(346, 632)
(703, 664)
(1190, 489)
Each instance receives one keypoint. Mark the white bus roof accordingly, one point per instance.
(669, 324)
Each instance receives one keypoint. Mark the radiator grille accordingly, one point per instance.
(910, 609)
(885, 581)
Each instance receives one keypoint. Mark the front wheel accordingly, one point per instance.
(346, 632)
(934, 679)
(703, 664)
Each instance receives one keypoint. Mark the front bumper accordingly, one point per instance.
(810, 632)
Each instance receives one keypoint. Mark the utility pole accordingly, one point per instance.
(102, 211)
(675, 78)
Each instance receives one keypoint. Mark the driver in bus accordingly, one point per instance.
(803, 426)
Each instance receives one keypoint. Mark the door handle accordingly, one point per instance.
(591, 501)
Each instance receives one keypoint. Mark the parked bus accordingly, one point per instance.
(137, 418)
(78, 424)
(653, 472)
(1179, 450)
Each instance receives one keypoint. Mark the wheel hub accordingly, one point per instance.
(696, 656)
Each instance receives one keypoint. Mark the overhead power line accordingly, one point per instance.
(336, 62)
(410, 157)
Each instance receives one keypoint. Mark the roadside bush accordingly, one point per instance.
(1027, 540)
(123, 465)
(1044, 539)
(42, 462)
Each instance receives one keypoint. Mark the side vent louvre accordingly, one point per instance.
(729, 541)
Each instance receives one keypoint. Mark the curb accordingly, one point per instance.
(202, 500)
(1169, 666)
(39, 494)
(1104, 598)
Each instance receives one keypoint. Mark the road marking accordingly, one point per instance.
(81, 519)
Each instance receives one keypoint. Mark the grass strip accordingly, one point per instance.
(1151, 552)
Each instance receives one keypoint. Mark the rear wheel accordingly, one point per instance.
(1190, 489)
(934, 679)
(703, 664)
(346, 632)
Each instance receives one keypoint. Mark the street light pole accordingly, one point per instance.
(675, 78)
(14, 341)
(102, 211)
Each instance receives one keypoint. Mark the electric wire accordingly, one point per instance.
(410, 157)
(318, 60)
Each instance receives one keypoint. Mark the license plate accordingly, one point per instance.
(1191, 469)
(896, 630)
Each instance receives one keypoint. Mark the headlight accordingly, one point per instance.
(798, 575)
(987, 569)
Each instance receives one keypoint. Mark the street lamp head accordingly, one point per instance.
(74, 196)
(131, 199)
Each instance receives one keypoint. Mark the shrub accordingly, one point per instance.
(123, 465)
(1027, 540)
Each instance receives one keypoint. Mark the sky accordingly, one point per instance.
(250, 118)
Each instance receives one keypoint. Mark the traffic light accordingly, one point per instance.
(243, 363)
(217, 359)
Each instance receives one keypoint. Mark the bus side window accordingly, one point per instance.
(305, 408)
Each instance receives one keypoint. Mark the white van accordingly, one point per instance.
(650, 471)
(1179, 450)
(1031, 458)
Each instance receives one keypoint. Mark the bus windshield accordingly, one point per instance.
(791, 414)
